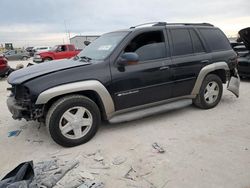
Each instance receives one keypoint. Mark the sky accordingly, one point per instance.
(49, 22)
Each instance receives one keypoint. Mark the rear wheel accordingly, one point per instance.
(73, 120)
(25, 58)
(210, 92)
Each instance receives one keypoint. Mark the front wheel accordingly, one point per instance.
(73, 120)
(47, 59)
(210, 92)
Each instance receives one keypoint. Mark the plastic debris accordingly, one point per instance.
(14, 133)
(158, 148)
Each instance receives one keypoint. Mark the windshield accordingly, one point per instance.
(101, 47)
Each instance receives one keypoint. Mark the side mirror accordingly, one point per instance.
(86, 42)
(128, 58)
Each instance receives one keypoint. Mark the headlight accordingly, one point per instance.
(37, 56)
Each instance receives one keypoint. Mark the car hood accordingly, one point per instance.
(245, 37)
(25, 74)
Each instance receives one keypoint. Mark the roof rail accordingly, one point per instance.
(150, 23)
(165, 23)
(197, 24)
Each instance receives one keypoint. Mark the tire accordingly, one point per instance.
(210, 92)
(25, 58)
(65, 116)
(47, 59)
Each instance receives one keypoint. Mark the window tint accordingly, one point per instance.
(197, 45)
(215, 39)
(182, 44)
(148, 46)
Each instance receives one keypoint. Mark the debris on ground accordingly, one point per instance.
(14, 133)
(47, 177)
(158, 148)
(131, 174)
(98, 157)
(101, 165)
(91, 184)
(119, 160)
(86, 175)
(48, 174)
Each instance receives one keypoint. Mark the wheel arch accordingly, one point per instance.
(47, 57)
(92, 89)
(219, 68)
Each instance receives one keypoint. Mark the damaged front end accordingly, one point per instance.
(20, 105)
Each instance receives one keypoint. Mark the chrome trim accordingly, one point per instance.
(150, 105)
(92, 85)
(204, 71)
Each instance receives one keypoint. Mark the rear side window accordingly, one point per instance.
(197, 44)
(182, 44)
(215, 39)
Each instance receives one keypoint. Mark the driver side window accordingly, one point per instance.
(148, 46)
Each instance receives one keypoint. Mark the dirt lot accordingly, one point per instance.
(203, 148)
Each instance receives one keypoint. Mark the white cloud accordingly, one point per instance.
(42, 21)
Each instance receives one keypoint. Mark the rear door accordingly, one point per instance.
(188, 57)
(147, 81)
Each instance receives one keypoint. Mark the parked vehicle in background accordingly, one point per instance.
(30, 51)
(124, 71)
(242, 47)
(4, 67)
(16, 55)
(64, 51)
(38, 49)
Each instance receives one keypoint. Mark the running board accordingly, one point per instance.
(142, 113)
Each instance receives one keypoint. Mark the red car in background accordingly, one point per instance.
(64, 51)
(4, 67)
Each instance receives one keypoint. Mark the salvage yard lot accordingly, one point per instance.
(203, 148)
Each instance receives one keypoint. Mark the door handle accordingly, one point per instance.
(205, 61)
(164, 68)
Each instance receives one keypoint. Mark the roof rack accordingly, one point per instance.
(165, 23)
(150, 23)
(197, 24)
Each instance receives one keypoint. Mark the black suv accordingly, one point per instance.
(122, 71)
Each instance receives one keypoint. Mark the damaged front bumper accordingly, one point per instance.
(15, 109)
(25, 110)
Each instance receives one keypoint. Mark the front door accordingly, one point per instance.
(147, 81)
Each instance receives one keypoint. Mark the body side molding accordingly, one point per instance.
(204, 71)
(93, 85)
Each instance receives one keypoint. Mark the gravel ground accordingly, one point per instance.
(203, 148)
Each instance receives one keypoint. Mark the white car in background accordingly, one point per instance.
(38, 49)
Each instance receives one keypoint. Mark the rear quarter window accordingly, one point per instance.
(215, 39)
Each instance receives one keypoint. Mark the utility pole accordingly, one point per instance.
(67, 33)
